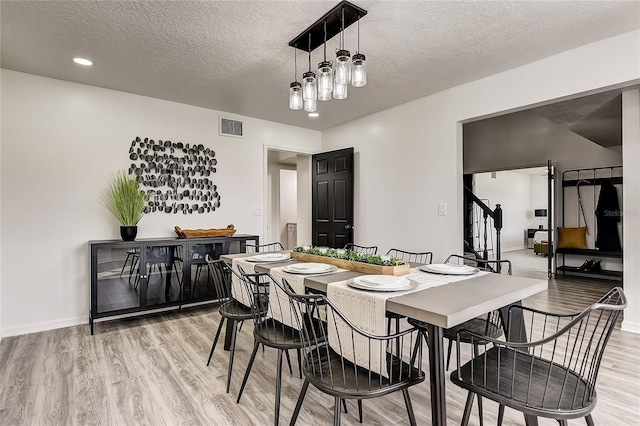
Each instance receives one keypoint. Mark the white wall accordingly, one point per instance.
(631, 206)
(288, 202)
(303, 168)
(537, 199)
(60, 141)
(410, 157)
(511, 191)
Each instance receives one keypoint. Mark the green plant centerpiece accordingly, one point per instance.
(372, 259)
(127, 201)
(348, 259)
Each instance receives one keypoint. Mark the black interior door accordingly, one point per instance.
(332, 198)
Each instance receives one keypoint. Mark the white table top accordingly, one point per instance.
(445, 306)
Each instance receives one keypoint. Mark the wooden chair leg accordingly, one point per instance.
(303, 392)
(215, 340)
(589, 420)
(336, 411)
(467, 410)
(246, 374)
(407, 403)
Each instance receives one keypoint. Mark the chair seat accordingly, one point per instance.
(521, 381)
(335, 375)
(476, 325)
(277, 335)
(235, 310)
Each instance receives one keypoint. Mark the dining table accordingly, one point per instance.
(440, 307)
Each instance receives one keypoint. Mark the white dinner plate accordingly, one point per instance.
(269, 257)
(449, 269)
(382, 283)
(309, 268)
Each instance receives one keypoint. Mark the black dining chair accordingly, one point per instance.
(408, 256)
(552, 376)
(330, 367)
(274, 326)
(361, 249)
(422, 258)
(488, 325)
(269, 247)
(234, 307)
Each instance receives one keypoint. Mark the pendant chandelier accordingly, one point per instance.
(330, 81)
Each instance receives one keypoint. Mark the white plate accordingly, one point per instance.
(271, 257)
(309, 268)
(355, 283)
(449, 269)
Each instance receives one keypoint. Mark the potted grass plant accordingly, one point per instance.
(127, 202)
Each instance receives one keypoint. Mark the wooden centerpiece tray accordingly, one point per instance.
(365, 268)
(204, 233)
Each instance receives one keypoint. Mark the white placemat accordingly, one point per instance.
(367, 309)
(238, 288)
(279, 298)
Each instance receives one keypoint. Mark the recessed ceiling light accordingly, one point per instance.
(83, 61)
(314, 114)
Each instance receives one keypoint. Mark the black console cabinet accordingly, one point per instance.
(128, 277)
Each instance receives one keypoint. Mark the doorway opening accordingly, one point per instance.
(287, 197)
(523, 195)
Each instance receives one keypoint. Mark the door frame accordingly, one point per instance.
(265, 184)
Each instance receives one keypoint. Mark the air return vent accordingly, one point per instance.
(230, 127)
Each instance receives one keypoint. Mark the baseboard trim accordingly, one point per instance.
(631, 327)
(505, 250)
(44, 326)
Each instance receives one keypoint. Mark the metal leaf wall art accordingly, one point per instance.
(177, 176)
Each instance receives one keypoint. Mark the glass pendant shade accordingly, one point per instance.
(295, 96)
(309, 86)
(339, 90)
(359, 71)
(325, 81)
(343, 67)
(310, 105)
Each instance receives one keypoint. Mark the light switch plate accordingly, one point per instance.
(442, 209)
(256, 211)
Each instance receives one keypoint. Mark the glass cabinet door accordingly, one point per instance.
(161, 267)
(200, 285)
(117, 279)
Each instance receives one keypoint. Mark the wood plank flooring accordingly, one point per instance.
(152, 371)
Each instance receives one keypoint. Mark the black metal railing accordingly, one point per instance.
(490, 217)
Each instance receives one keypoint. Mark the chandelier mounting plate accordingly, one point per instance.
(333, 18)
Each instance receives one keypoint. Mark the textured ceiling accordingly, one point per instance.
(233, 55)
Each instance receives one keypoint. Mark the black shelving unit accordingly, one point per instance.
(588, 177)
(134, 277)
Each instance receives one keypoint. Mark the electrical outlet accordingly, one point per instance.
(256, 211)
(442, 209)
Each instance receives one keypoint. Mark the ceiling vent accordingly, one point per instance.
(230, 127)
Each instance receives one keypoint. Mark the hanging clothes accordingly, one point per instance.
(608, 216)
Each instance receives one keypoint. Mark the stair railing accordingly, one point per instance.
(495, 215)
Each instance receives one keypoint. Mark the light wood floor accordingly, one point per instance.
(152, 371)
